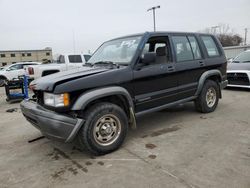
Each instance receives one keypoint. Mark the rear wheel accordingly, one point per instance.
(208, 99)
(104, 130)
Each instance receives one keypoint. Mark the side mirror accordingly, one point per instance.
(148, 58)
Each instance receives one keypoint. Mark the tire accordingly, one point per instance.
(104, 130)
(2, 81)
(208, 98)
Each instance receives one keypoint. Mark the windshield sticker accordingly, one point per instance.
(128, 43)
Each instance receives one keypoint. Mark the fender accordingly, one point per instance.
(203, 78)
(4, 77)
(94, 94)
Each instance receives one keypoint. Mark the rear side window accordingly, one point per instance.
(211, 47)
(182, 48)
(195, 47)
(75, 59)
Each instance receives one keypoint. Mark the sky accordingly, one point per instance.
(81, 26)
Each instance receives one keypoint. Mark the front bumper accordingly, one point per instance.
(51, 124)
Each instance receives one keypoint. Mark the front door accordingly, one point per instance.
(155, 84)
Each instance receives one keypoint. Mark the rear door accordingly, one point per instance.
(189, 63)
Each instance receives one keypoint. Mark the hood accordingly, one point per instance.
(47, 83)
(238, 66)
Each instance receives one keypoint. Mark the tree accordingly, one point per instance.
(225, 34)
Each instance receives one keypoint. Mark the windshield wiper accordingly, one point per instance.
(106, 63)
(245, 61)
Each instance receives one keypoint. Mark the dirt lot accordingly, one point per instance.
(177, 147)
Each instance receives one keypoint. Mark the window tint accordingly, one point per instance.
(182, 48)
(75, 59)
(210, 45)
(195, 47)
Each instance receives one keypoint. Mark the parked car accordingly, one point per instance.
(125, 78)
(12, 71)
(238, 72)
(63, 63)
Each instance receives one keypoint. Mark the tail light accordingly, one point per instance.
(31, 71)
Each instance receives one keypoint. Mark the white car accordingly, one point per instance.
(9, 72)
(238, 72)
(64, 62)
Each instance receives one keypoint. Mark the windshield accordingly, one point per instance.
(119, 51)
(5, 67)
(244, 57)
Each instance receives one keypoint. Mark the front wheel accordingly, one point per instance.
(208, 99)
(2, 81)
(105, 128)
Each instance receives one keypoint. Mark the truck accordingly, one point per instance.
(127, 77)
(63, 63)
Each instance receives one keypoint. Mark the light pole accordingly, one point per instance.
(246, 30)
(153, 9)
(213, 29)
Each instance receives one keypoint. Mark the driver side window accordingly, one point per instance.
(159, 46)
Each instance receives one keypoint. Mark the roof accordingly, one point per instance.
(161, 33)
(25, 51)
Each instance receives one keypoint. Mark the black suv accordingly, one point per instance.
(127, 77)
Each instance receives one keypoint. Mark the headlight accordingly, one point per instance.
(56, 100)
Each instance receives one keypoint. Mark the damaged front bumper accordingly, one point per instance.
(51, 124)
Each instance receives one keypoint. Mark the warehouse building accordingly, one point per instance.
(14, 56)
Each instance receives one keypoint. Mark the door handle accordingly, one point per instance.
(201, 63)
(171, 68)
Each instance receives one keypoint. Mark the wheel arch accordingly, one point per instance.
(4, 77)
(115, 94)
(214, 75)
(45, 72)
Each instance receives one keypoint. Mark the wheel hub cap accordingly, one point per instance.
(211, 97)
(107, 129)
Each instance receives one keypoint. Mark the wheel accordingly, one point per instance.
(2, 81)
(208, 99)
(104, 130)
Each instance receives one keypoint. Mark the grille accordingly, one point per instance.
(238, 79)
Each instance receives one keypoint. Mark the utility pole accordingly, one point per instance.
(74, 41)
(153, 9)
(246, 36)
